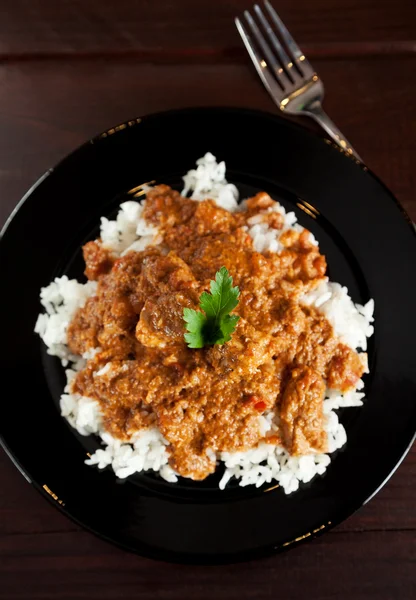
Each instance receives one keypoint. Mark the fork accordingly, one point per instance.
(286, 73)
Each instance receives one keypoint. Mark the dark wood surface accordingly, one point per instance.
(71, 68)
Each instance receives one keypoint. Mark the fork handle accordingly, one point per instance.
(319, 115)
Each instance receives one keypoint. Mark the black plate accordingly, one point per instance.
(370, 247)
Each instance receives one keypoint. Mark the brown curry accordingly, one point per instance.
(282, 355)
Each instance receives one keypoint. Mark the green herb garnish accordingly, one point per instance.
(216, 325)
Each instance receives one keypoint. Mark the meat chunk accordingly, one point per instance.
(166, 207)
(209, 253)
(83, 331)
(244, 354)
(120, 385)
(161, 321)
(164, 274)
(197, 428)
(260, 206)
(302, 417)
(98, 260)
(260, 201)
(181, 422)
(346, 368)
(170, 287)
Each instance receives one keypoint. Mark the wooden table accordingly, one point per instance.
(72, 68)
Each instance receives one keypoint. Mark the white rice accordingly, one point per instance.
(208, 181)
(146, 450)
(61, 299)
(129, 231)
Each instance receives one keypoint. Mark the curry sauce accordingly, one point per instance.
(281, 357)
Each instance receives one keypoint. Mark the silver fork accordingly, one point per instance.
(286, 74)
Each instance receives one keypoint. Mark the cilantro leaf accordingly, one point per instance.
(228, 324)
(216, 325)
(223, 297)
(195, 322)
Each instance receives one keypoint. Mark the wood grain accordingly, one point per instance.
(76, 565)
(186, 30)
(46, 109)
(72, 68)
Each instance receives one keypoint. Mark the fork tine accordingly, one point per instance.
(271, 59)
(269, 82)
(294, 49)
(280, 51)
